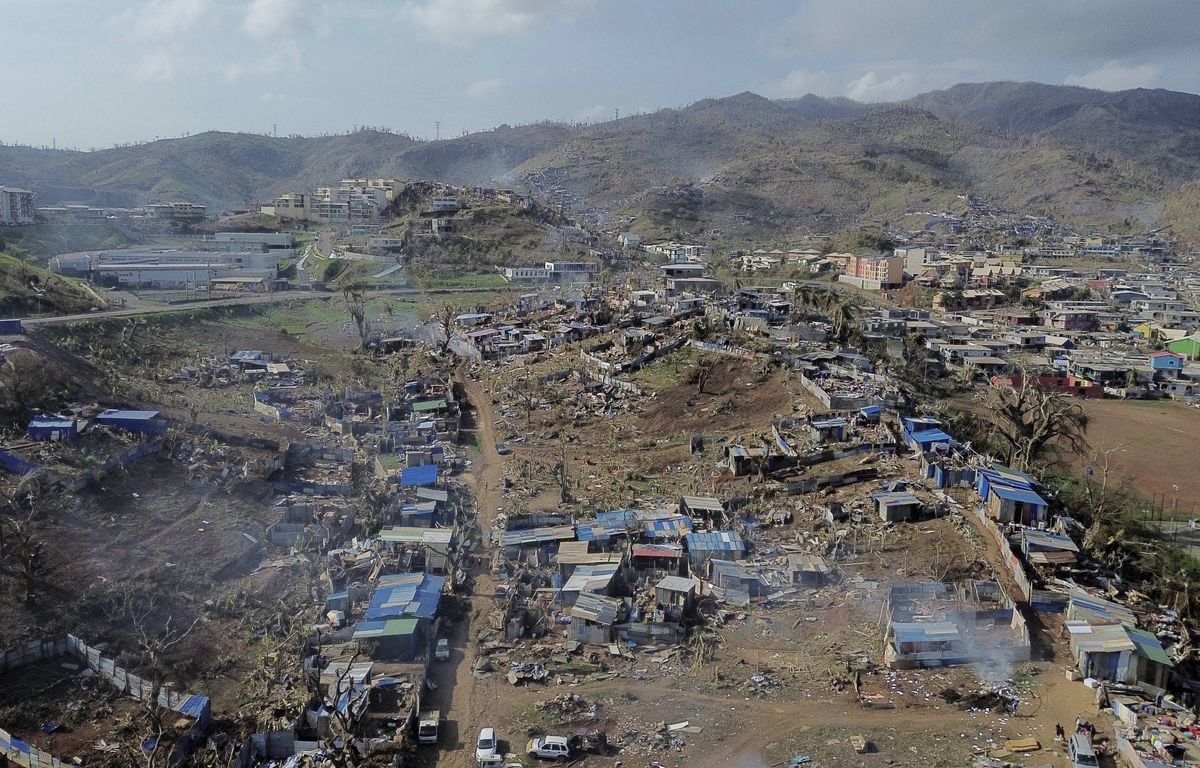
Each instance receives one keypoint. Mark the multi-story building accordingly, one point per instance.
(16, 206)
(874, 270)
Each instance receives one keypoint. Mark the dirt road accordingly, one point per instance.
(464, 699)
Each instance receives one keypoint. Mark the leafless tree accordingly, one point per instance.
(354, 295)
(701, 373)
(155, 641)
(22, 548)
(445, 321)
(1030, 423)
(25, 384)
(1106, 498)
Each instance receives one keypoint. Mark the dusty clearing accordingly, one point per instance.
(1160, 442)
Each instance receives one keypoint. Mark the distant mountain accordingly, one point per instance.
(1157, 128)
(749, 166)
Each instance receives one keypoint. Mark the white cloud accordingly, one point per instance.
(1115, 76)
(464, 21)
(484, 89)
(267, 21)
(161, 28)
(873, 87)
(798, 83)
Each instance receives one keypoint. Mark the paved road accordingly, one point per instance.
(267, 298)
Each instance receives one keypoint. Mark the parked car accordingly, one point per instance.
(442, 651)
(485, 745)
(549, 748)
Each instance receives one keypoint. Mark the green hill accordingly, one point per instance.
(743, 163)
(26, 289)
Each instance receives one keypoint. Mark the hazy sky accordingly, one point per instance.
(89, 73)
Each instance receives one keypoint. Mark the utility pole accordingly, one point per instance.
(437, 130)
(617, 114)
(274, 130)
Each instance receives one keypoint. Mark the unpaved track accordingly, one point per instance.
(466, 700)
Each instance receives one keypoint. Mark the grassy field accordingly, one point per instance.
(26, 289)
(1159, 441)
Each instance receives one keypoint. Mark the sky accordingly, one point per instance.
(91, 73)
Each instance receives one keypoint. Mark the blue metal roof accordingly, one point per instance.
(1023, 495)
(42, 422)
(128, 415)
(929, 436)
(671, 527)
(598, 531)
(194, 706)
(423, 475)
(406, 594)
(715, 540)
(871, 410)
(619, 516)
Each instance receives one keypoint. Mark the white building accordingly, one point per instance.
(16, 206)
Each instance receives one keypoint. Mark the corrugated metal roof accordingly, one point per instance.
(1099, 638)
(194, 706)
(598, 531)
(715, 540)
(703, 503)
(666, 526)
(807, 563)
(590, 577)
(596, 608)
(676, 584)
(1011, 493)
(1149, 647)
(924, 632)
(537, 535)
(1047, 540)
(129, 415)
(398, 534)
(929, 436)
(895, 499)
(429, 405)
(433, 494)
(406, 595)
(365, 630)
(657, 550)
(1085, 606)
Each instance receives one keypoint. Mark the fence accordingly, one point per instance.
(196, 707)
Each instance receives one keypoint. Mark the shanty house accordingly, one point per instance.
(400, 613)
(1048, 549)
(137, 422)
(703, 509)
(674, 598)
(896, 506)
(807, 569)
(714, 545)
(593, 617)
(827, 430)
(421, 549)
(572, 554)
(54, 428)
(599, 579)
(652, 560)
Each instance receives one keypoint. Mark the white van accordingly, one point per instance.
(1079, 749)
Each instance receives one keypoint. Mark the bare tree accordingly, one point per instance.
(701, 373)
(155, 642)
(445, 321)
(354, 294)
(25, 384)
(1031, 423)
(22, 548)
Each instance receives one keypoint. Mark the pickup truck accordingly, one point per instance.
(427, 726)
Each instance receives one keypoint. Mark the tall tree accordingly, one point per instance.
(1029, 424)
(354, 295)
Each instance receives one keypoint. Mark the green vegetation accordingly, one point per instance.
(26, 289)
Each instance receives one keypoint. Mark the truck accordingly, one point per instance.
(427, 726)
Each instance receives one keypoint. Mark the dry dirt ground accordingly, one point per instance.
(1160, 441)
(806, 706)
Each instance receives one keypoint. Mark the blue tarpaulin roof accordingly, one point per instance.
(1022, 495)
(598, 531)
(423, 475)
(194, 706)
(406, 594)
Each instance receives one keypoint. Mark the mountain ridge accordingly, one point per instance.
(796, 162)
